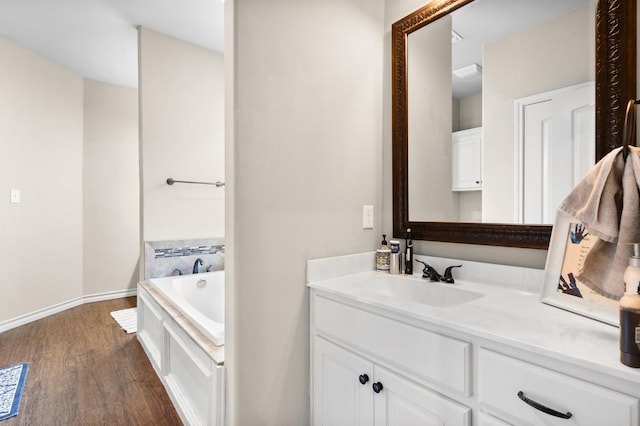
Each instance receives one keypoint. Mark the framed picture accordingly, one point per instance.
(570, 244)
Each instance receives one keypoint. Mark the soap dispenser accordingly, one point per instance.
(383, 255)
(630, 312)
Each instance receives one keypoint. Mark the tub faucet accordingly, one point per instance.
(195, 265)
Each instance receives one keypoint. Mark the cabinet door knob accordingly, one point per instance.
(544, 408)
(363, 378)
(377, 387)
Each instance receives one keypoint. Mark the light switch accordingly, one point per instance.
(367, 217)
(15, 196)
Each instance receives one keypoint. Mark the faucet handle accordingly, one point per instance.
(448, 277)
(425, 270)
(429, 272)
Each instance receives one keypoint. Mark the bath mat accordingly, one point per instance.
(11, 386)
(127, 318)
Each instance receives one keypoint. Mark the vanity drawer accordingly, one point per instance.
(501, 378)
(430, 356)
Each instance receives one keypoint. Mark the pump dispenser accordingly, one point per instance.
(383, 255)
(630, 312)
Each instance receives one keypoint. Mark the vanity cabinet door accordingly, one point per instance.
(342, 392)
(400, 402)
(467, 160)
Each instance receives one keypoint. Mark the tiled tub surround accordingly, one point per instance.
(190, 366)
(471, 358)
(162, 258)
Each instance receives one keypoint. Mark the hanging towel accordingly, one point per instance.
(606, 201)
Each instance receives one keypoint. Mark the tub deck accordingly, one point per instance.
(215, 352)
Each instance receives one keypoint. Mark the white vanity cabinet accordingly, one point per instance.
(466, 154)
(369, 369)
(377, 366)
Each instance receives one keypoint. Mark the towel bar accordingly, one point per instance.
(171, 181)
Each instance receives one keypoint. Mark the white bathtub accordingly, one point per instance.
(200, 298)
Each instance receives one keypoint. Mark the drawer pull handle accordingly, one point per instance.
(364, 378)
(377, 387)
(543, 408)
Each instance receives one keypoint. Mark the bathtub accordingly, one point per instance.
(200, 298)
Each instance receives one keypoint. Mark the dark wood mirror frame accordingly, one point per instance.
(615, 80)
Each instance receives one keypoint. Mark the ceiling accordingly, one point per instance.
(97, 38)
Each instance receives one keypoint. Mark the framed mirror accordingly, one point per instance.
(435, 116)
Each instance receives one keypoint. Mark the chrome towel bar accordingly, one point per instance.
(171, 181)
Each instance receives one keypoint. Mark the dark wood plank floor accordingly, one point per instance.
(85, 370)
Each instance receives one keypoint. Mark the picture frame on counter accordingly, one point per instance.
(570, 243)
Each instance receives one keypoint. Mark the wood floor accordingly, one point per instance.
(85, 370)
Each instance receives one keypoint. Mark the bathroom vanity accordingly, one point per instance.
(399, 350)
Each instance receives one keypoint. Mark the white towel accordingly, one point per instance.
(127, 319)
(606, 201)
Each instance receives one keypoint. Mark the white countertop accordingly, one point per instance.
(512, 317)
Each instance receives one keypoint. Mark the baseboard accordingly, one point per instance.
(109, 295)
(45, 312)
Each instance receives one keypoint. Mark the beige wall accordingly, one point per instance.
(111, 193)
(182, 136)
(41, 155)
(536, 56)
(307, 96)
(430, 123)
(70, 146)
(470, 111)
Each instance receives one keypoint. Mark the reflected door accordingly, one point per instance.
(557, 137)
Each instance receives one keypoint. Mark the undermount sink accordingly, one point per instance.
(424, 292)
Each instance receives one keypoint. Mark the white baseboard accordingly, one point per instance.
(109, 295)
(63, 306)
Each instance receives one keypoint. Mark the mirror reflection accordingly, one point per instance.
(500, 110)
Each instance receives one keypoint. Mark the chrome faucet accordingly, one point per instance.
(195, 265)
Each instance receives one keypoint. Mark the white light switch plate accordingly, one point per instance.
(15, 196)
(367, 217)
